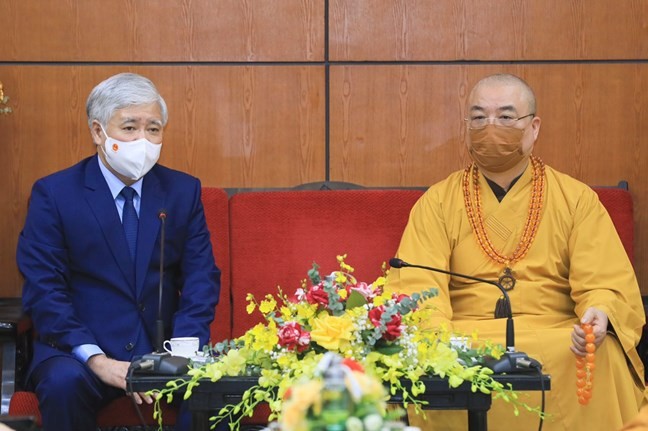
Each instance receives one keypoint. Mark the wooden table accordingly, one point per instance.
(209, 397)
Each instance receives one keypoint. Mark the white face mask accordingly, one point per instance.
(131, 159)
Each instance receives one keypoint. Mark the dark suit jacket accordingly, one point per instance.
(81, 286)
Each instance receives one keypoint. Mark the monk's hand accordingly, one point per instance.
(113, 373)
(599, 322)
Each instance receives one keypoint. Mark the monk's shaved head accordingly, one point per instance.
(508, 79)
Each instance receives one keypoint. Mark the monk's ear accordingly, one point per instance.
(535, 126)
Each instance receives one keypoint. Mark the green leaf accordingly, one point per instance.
(355, 299)
(388, 349)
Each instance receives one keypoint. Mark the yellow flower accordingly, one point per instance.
(284, 361)
(270, 378)
(233, 363)
(344, 266)
(382, 299)
(303, 397)
(332, 332)
(250, 307)
(286, 313)
(343, 293)
(268, 304)
(305, 310)
(454, 381)
(380, 281)
(262, 337)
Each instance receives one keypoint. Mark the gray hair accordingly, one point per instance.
(121, 91)
(509, 79)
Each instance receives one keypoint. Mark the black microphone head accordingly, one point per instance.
(395, 262)
(162, 214)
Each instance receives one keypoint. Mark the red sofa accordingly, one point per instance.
(268, 238)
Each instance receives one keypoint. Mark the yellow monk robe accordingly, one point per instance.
(576, 261)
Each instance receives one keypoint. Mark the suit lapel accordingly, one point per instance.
(100, 200)
(149, 226)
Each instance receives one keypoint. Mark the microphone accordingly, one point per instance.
(161, 361)
(511, 361)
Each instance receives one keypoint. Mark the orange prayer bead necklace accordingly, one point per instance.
(476, 219)
(585, 367)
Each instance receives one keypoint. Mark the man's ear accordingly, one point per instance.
(98, 136)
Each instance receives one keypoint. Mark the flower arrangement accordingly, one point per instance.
(382, 331)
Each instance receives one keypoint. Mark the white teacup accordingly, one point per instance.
(182, 346)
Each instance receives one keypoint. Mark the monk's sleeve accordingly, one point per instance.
(601, 274)
(425, 242)
(639, 423)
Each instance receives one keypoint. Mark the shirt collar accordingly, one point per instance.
(498, 190)
(115, 184)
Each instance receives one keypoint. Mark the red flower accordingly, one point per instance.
(317, 295)
(293, 337)
(393, 330)
(375, 314)
(352, 365)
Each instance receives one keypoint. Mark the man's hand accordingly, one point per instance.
(599, 322)
(113, 373)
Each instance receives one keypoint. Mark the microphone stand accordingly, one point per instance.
(159, 323)
(511, 361)
(160, 361)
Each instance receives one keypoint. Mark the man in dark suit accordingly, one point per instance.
(90, 256)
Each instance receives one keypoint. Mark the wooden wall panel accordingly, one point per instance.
(395, 125)
(246, 126)
(402, 125)
(178, 30)
(410, 118)
(440, 30)
(232, 126)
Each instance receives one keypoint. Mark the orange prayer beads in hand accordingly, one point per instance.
(585, 367)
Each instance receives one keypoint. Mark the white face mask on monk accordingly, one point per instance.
(131, 159)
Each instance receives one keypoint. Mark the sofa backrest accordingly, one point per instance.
(277, 235)
(618, 202)
(216, 204)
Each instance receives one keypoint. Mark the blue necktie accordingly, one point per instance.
(130, 220)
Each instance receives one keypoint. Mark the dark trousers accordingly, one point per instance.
(70, 395)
